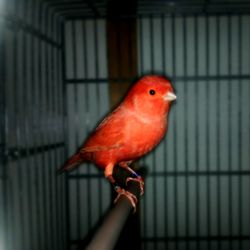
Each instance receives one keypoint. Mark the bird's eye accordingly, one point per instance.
(151, 92)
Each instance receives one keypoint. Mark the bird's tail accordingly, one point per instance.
(71, 163)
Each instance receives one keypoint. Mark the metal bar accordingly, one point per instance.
(43, 141)
(239, 128)
(33, 201)
(230, 189)
(80, 14)
(40, 219)
(27, 108)
(218, 129)
(197, 186)
(208, 179)
(65, 134)
(47, 135)
(76, 122)
(186, 130)
(11, 232)
(173, 78)
(200, 238)
(3, 118)
(55, 107)
(54, 139)
(108, 233)
(140, 32)
(154, 198)
(51, 174)
(18, 110)
(178, 173)
(163, 44)
(176, 220)
(58, 181)
(98, 104)
(87, 105)
(14, 153)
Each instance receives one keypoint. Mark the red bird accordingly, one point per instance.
(133, 129)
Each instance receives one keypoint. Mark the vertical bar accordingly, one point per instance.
(151, 31)
(142, 71)
(56, 104)
(239, 126)
(197, 134)
(208, 180)
(34, 106)
(23, 129)
(27, 130)
(98, 106)
(62, 101)
(29, 139)
(39, 168)
(3, 162)
(86, 97)
(36, 118)
(229, 133)
(47, 134)
(175, 176)
(218, 129)
(186, 131)
(163, 20)
(58, 211)
(65, 134)
(76, 122)
(43, 142)
(53, 137)
(50, 132)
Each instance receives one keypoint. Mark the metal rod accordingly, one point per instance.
(108, 233)
(3, 168)
(208, 96)
(197, 135)
(65, 134)
(178, 173)
(173, 78)
(175, 179)
(218, 139)
(230, 188)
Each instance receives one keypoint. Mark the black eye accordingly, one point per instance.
(151, 92)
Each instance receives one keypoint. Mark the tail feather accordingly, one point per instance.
(73, 162)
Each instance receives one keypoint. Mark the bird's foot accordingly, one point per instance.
(132, 198)
(138, 179)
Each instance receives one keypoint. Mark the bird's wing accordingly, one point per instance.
(90, 149)
(108, 135)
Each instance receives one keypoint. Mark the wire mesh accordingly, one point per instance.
(202, 168)
(32, 134)
(55, 87)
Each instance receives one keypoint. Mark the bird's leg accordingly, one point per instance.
(137, 177)
(120, 191)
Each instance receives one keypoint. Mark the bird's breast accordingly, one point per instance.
(142, 137)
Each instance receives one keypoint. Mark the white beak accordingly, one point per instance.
(170, 96)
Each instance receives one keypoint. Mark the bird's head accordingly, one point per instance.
(152, 95)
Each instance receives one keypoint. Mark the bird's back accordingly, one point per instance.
(123, 136)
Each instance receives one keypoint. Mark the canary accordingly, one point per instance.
(132, 130)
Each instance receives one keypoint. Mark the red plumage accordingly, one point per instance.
(134, 128)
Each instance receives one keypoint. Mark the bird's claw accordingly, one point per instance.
(138, 179)
(132, 198)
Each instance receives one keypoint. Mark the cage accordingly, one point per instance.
(65, 63)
